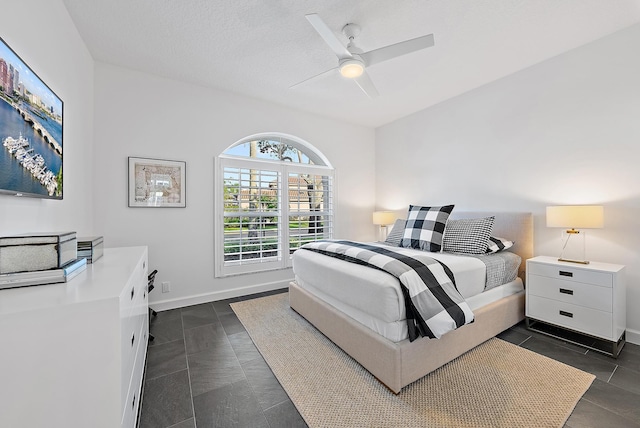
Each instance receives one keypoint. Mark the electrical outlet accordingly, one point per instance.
(166, 286)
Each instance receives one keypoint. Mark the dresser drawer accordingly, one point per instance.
(128, 347)
(134, 391)
(587, 295)
(140, 310)
(130, 410)
(130, 294)
(578, 318)
(570, 273)
(134, 333)
(135, 288)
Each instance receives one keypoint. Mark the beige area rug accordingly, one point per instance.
(497, 384)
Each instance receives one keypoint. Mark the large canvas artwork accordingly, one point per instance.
(156, 183)
(30, 131)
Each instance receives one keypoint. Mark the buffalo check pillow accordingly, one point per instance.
(425, 227)
(470, 236)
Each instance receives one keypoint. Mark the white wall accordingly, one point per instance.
(142, 115)
(566, 131)
(43, 35)
(563, 132)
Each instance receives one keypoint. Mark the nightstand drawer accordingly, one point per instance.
(578, 318)
(570, 273)
(587, 295)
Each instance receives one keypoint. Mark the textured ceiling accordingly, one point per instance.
(261, 48)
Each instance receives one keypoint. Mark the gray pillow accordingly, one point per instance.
(395, 236)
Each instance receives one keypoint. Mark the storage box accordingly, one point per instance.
(36, 251)
(91, 248)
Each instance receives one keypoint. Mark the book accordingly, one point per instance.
(41, 277)
(24, 279)
(68, 277)
(91, 248)
(74, 265)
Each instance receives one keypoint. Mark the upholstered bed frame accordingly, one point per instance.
(398, 364)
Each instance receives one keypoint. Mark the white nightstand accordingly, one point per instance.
(589, 300)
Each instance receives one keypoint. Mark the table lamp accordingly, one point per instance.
(573, 218)
(383, 219)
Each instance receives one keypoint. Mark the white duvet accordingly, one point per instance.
(374, 297)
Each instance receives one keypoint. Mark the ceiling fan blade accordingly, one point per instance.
(392, 51)
(367, 86)
(328, 36)
(317, 76)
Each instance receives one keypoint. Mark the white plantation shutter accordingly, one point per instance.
(266, 210)
(310, 210)
(251, 216)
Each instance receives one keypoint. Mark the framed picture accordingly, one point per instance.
(157, 183)
(30, 131)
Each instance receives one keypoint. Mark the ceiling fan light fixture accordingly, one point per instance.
(351, 68)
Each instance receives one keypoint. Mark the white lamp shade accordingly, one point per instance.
(383, 218)
(576, 216)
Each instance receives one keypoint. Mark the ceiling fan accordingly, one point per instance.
(352, 61)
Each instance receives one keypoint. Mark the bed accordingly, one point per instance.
(378, 343)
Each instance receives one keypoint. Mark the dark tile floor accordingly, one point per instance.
(203, 370)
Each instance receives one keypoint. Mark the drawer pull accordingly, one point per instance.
(132, 292)
(565, 291)
(566, 314)
(133, 402)
(133, 338)
(565, 273)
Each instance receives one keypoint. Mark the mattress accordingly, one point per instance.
(374, 298)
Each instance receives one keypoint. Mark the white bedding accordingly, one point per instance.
(374, 297)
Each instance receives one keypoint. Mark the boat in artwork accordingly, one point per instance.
(31, 161)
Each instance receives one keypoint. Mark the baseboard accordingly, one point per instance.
(165, 305)
(633, 336)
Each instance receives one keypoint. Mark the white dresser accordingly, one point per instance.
(73, 355)
(588, 299)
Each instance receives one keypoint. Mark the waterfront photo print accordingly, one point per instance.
(30, 131)
(156, 183)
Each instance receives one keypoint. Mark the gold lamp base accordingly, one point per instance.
(570, 233)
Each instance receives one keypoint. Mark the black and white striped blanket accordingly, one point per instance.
(433, 304)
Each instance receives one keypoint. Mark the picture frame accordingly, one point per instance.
(156, 183)
(31, 131)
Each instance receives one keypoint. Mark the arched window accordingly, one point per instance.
(274, 192)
